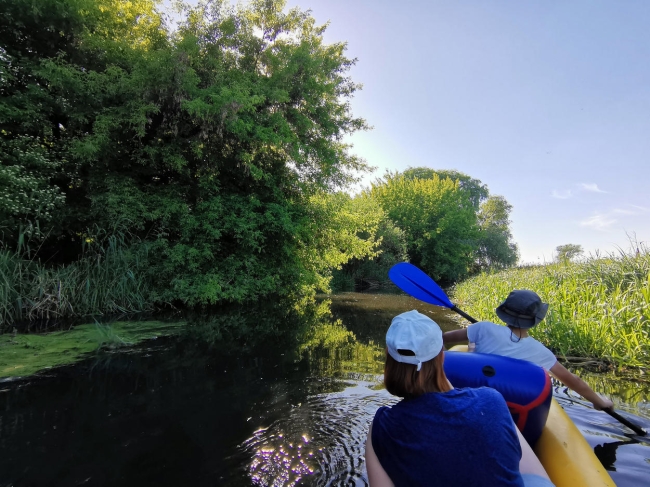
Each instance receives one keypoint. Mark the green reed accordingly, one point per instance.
(599, 308)
(104, 280)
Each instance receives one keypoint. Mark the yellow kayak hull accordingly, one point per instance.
(567, 457)
(565, 454)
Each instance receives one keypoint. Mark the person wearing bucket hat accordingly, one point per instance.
(438, 435)
(521, 311)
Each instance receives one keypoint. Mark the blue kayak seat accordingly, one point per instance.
(526, 387)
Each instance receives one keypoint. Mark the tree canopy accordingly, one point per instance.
(216, 151)
(438, 219)
(213, 154)
(568, 252)
(496, 248)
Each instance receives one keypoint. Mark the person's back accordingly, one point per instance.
(521, 311)
(459, 437)
(489, 337)
(438, 435)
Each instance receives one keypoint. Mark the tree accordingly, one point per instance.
(477, 191)
(438, 219)
(568, 252)
(391, 248)
(214, 149)
(496, 248)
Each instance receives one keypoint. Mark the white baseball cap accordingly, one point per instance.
(416, 333)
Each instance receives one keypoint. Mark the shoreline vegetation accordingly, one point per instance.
(201, 168)
(197, 164)
(599, 308)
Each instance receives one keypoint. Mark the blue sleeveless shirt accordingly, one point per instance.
(464, 437)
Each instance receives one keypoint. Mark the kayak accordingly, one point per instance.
(565, 454)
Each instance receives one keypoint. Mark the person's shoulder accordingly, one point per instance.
(382, 412)
(484, 398)
(486, 393)
(487, 327)
(540, 354)
(481, 325)
(540, 347)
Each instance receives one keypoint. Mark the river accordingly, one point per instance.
(169, 414)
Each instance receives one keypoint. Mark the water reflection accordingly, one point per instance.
(330, 454)
(170, 415)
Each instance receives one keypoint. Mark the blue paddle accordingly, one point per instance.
(418, 284)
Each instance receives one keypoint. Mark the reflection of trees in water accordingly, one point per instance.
(633, 392)
(369, 315)
(321, 440)
(333, 351)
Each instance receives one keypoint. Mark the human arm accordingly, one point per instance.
(576, 384)
(377, 476)
(455, 336)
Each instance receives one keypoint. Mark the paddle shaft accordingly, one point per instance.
(463, 314)
(637, 429)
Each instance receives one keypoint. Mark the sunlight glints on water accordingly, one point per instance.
(279, 463)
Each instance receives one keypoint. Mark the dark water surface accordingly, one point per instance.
(167, 414)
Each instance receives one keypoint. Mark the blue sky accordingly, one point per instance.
(547, 102)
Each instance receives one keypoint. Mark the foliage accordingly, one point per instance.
(568, 252)
(26, 197)
(215, 150)
(598, 308)
(391, 249)
(438, 219)
(478, 192)
(106, 279)
(496, 249)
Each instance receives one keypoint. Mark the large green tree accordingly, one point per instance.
(478, 192)
(494, 245)
(496, 249)
(438, 219)
(212, 149)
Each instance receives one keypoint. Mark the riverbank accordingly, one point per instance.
(25, 354)
(599, 309)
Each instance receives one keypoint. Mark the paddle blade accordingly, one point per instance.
(415, 282)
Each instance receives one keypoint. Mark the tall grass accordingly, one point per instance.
(599, 308)
(104, 280)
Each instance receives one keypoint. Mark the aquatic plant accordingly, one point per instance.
(104, 280)
(598, 308)
(22, 355)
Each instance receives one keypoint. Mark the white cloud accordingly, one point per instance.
(565, 194)
(561, 195)
(602, 221)
(592, 187)
(598, 222)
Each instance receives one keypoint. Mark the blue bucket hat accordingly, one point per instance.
(522, 309)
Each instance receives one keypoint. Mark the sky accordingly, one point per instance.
(545, 101)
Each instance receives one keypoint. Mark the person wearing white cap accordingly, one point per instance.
(521, 311)
(437, 435)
